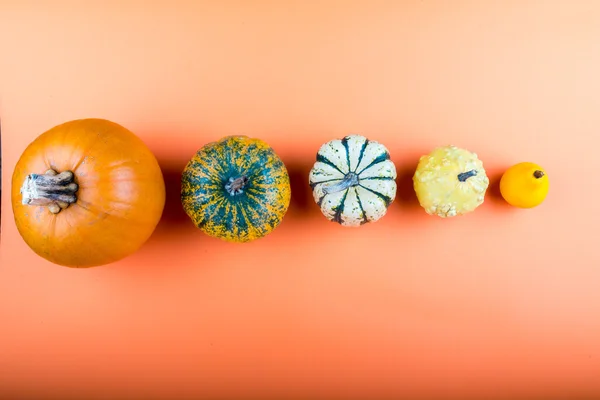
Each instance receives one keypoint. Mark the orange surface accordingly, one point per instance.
(501, 303)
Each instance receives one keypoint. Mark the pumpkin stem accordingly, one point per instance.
(351, 179)
(236, 185)
(466, 175)
(538, 174)
(53, 190)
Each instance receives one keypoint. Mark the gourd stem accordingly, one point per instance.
(236, 185)
(53, 190)
(351, 179)
(538, 174)
(466, 175)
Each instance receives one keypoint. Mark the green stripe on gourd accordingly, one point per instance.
(353, 180)
(236, 189)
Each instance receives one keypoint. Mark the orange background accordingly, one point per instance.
(496, 304)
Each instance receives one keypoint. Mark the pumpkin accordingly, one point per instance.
(450, 181)
(353, 180)
(236, 189)
(524, 185)
(87, 192)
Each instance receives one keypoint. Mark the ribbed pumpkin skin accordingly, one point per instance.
(120, 198)
(242, 217)
(353, 180)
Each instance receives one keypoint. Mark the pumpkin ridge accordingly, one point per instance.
(103, 213)
(345, 144)
(84, 154)
(361, 154)
(322, 171)
(51, 229)
(262, 208)
(383, 197)
(231, 214)
(207, 162)
(263, 212)
(246, 219)
(216, 225)
(325, 160)
(379, 159)
(220, 209)
(207, 205)
(339, 209)
(362, 210)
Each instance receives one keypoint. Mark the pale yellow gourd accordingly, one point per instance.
(450, 181)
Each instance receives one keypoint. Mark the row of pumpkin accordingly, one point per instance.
(89, 192)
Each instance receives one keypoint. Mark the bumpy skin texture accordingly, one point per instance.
(353, 180)
(524, 185)
(254, 210)
(438, 185)
(120, 198)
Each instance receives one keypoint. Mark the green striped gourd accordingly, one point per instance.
(236, 189)
(353, 180)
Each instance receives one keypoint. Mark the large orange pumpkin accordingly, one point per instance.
(87, 192)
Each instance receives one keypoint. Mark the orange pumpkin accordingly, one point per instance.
(87, 192)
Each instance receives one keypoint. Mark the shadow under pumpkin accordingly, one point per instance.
(174, 220)
(405, 192)
(302, 204)
(493, 192)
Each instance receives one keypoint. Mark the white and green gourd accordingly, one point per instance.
(353, 180)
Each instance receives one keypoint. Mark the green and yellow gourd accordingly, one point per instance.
(353, 180)
(236, 189)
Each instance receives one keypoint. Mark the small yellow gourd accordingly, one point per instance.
(524, 185)
(450, 181)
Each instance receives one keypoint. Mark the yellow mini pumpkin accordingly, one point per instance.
(524, 185)
(450, 181)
